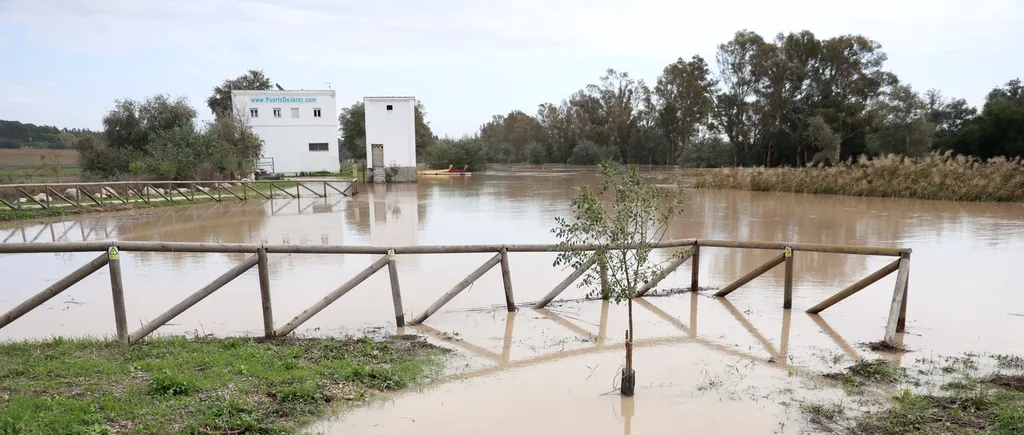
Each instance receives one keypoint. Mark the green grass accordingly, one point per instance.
(823, 414)
(35, 157)
(36, 175)
(198, 386)
(936, 176)
(989, 409)
(857, 376)
(967, 403)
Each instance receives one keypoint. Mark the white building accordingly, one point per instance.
(299, 129)
(391, 136)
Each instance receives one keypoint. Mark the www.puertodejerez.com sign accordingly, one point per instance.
(284, 100)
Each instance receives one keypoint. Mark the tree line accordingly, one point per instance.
(14, 134)
(792, 100)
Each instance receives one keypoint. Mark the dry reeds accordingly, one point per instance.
(936, 176)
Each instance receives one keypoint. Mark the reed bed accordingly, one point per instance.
(935, 176)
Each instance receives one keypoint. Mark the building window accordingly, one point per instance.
(295, 112)
(390, 107)
(316, 113)
(254, 113)
(277, 112)
(321, 146)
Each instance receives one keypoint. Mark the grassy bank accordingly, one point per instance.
(941, 177)
(198, 386)
(964, 402)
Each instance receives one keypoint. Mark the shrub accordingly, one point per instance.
(458, 153)
(707, 152)
(536, 153)
(159, 138)
(590, 153)
(167, 383)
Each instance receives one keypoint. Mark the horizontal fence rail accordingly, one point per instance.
(95, 194)
(687, 250)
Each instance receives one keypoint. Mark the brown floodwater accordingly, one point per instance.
(543, 371)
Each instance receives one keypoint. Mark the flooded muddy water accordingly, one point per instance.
(551, 366)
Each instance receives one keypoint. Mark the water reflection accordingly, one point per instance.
(626, 411)
(561, 368)
(581, 331)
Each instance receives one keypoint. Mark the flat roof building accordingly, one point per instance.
(391, 137)
(299, 129)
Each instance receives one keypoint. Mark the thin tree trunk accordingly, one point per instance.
(629, 338)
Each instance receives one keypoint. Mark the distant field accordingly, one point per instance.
(25, 165)
(32, 157)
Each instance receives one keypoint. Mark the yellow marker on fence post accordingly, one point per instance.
(112, 253)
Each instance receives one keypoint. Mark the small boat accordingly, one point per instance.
(450, 171)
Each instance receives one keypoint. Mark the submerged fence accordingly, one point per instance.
(110, 258)
(79, 195)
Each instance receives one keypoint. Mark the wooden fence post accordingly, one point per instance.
(695, 270)
(117, 292)
(264, 272)
(396, 291)
(787, 299)
(901, 324)
(898, 295)
(506, 278)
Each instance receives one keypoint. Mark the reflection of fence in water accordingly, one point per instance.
(778, 355)
(260, 252)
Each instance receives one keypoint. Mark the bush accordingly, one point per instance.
(536, 153)
(936, 176)
(707, 152)
(458, 153)
(101, 161)
(590, 153)
(159, 138)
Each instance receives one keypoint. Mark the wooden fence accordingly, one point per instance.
(93, 227)
(78, 195)
(691, 249)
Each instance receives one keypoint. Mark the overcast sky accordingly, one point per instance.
(66, 61)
